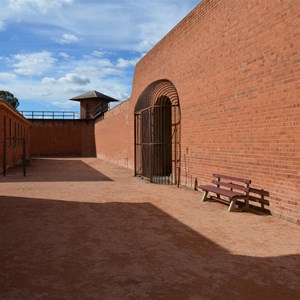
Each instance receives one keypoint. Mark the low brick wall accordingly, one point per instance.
(62, 138)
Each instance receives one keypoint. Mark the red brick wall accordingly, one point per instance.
(62, 138)
(12, 124)
(236, 67)
(114, 138)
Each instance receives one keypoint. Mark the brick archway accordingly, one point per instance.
(157, 133)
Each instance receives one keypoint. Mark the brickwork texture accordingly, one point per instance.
(62, 138)
(236, 67)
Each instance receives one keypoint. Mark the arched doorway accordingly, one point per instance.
(157, 133)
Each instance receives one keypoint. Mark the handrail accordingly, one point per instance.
(100, 110)
(64, 115)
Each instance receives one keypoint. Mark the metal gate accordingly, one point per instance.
(157, 133)
(15, 158)
(157, 147)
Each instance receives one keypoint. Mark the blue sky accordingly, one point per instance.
(53, 50)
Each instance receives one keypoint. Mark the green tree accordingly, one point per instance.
(10, 98)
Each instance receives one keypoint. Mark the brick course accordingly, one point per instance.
(62, 138)
(114, 137)
(236, 67)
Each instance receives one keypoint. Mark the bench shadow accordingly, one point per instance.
(53, 249)
(55, 170)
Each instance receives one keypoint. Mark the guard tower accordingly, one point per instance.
(93, 104)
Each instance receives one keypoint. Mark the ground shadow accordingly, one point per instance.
(68, 250)
(55, 170)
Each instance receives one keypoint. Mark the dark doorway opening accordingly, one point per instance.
(162, 136)
(157, 129)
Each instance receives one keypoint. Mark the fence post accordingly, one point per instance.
(4, 157)
(24, 157)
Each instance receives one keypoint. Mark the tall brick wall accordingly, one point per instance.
(236, 67)
(62, 138)
(12, 125)
(114, 138)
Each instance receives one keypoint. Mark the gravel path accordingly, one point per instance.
(87, 229)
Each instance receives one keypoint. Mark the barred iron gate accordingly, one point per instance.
(146, 142)
(157, 141)
(15, 159)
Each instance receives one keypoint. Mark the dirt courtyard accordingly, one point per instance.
(87, 229)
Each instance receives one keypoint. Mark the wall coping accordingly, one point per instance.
(7, 106)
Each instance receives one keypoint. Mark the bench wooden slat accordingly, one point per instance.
(220, 191)
(231, 185)
(247, 181)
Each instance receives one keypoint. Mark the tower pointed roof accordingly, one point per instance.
(94, 95)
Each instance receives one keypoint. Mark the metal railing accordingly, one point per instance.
(60, 115)
(98, 111)
(66, 115)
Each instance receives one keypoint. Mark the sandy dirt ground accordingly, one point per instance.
(87, 229)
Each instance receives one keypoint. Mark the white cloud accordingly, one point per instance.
(39, 5)
(64, 55)
(97, 71)
(75, 90)
(96, 67)
(112, 71)
(50, 93)
(145, 45)
(67, 76)
(48, 80)
(64, 71)
(33, 64)
(136, 25)
(125, 63)
(7, 76)
(70, 78)
(98, 53)
(74, 79)
(64, 104)
(105, 62)
(68, 39)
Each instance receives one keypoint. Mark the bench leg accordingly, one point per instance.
(232, 205)
(204, 196)
(247, 204)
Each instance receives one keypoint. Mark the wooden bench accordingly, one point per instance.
(232, 188)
